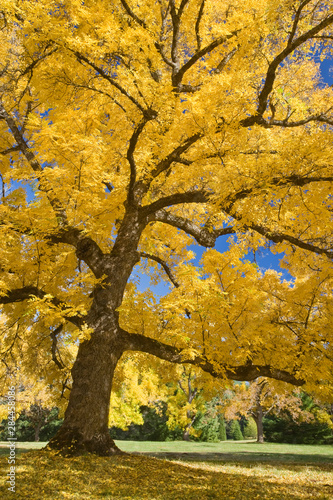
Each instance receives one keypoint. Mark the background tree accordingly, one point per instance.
(129, 132)
(261, 398)
(316, 428)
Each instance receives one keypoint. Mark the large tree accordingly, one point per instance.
(131, 130)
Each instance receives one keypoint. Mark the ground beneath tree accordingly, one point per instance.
(43, 475)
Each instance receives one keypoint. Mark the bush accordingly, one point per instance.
(284, 430)
(250, 429)
(234, 431)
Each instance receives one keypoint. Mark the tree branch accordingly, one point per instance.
(147, 113)
(133, 15)
(86, 248)
(291, 180)
(174, 156)
(163, 264)
(130, 157)
(279, 236)
(175, 199)
(297, 16)
(137, 342)
(178, 76)
(28, 292)
(197, 24)
(204, 236)
(272, 68)
(53, 336)
(33, 162)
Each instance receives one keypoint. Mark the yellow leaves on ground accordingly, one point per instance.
(44, 476)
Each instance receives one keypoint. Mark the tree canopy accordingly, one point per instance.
(131, 131)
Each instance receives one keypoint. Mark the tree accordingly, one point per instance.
(316, 428)
(262, 398)
(184, 402)
(140, 129)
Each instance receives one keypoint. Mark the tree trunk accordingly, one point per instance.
(37, 431)
(85, 427)
(186, 434)
(258, 420)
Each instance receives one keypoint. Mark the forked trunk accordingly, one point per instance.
(85, 427)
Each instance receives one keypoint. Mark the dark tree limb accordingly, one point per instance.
(175, 155)
(296, 20)
(197, 24)
(23, 146)
(28, 292)
(86, 248)
(277, 236)
(130, 157)
(54, 347)
(147, 113)
(248, 371)
(178, 76)
(272, 68)
(133, 15)
(199, 196)
(163, 264)
(290, 180)
(203, 235)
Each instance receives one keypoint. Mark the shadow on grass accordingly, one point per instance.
(292, 458)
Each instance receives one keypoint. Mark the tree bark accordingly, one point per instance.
(258, 418)
(37, 431)
(85, 427)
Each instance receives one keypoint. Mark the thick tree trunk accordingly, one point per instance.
(85, 427)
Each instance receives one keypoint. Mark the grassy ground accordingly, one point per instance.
(205, 471)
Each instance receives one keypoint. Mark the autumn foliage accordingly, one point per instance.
(130, 131)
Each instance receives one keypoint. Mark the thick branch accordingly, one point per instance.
(197, 24)
(203, 235)
(28, 292)
(34, 63)
(133, 15)
(175, 199)
(272, 68)
(278, 236)
(136, 342)
(291, 180)
(54, 346)
(86, 248)
(296, 20)
(286, 123)
(130, 157)
(174, 156)
(177, 78)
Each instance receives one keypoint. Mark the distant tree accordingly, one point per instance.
(260, 398)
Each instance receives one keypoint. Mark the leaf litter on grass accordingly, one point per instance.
(46, 476)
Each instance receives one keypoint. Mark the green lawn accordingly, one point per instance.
(230, 470)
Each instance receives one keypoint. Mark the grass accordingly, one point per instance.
(229, 470)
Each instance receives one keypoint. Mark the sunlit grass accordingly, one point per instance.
(43, 475)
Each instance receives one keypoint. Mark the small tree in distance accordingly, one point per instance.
(261, 398)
